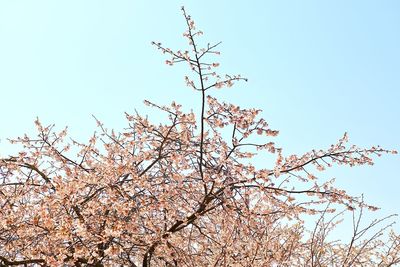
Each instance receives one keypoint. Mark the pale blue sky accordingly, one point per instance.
(316, 68)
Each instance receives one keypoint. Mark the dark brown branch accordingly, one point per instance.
(6, 262)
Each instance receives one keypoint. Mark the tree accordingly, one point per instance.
(181, 193)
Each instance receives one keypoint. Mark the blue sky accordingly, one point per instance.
(316, 68)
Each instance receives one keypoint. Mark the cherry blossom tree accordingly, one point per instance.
(184, 192)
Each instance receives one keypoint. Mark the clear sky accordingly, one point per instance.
(316, 68)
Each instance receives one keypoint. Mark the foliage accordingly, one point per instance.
(180, 193)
